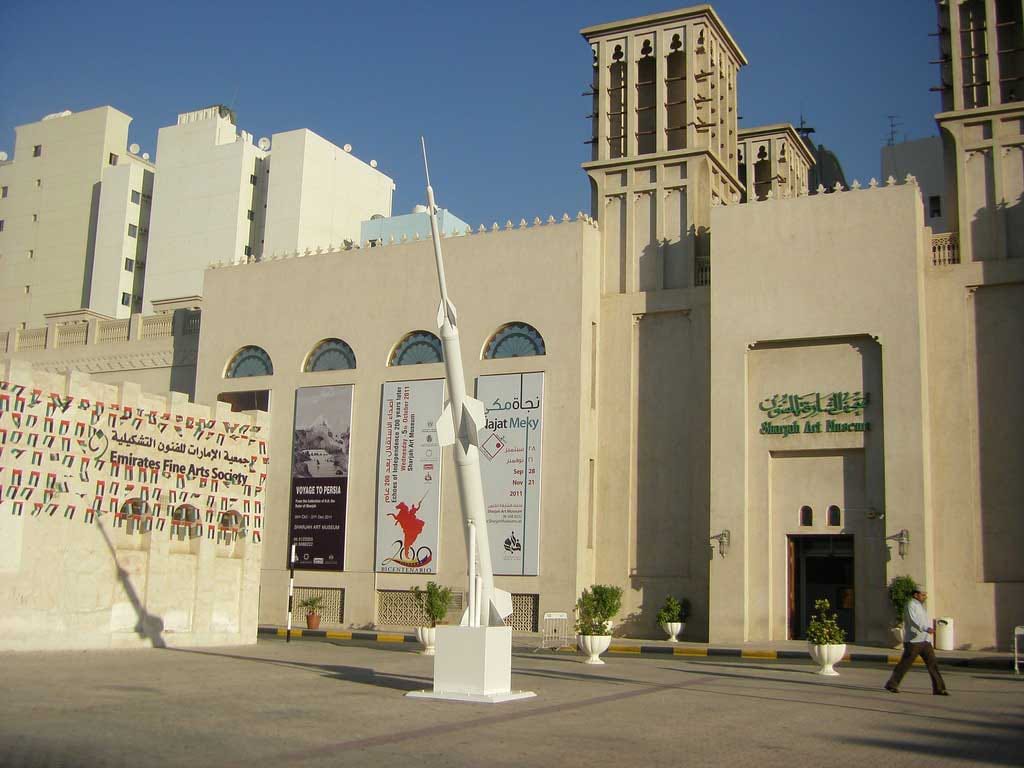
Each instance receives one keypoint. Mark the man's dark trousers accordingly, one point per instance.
(910, 652)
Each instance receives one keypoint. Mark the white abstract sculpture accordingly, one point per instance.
(473, 662)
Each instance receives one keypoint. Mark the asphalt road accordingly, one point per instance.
(325, 703)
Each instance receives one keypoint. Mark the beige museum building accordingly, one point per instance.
(752, 396)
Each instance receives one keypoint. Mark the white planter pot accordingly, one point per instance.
(426, 635)
(594, 646)
(825, 656)
(896, 635)
(672, 629)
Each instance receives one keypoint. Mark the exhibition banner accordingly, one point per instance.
(319, 497)
(510, 462)
(409, 477)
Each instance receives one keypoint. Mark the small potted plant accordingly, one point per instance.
(901, 589)
(313, 606)
(825, 638)
(594, 611)
(672, 617)
(434, 601)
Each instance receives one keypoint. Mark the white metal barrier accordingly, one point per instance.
(1018, 632)
(556, 631)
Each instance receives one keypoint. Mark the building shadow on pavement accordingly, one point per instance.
(987, 742)
(341, 672)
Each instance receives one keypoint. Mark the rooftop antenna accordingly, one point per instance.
(804, 129)
(893, 125)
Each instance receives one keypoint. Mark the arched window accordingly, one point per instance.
(331, 355)
(249, 361)
(417, 347)
(230, 527)
(185, 523)
(135, 516)
(514, 340)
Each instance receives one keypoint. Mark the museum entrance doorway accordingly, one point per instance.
(820, 567)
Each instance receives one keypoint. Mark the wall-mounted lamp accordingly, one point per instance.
(723, 542)
(902, 540)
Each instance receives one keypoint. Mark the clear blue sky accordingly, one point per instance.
(495, 87)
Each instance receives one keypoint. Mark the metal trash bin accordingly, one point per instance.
(944, 633)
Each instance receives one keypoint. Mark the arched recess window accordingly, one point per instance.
(331, 355)
(417, 347)
(514, 340)
(134, 516)
(185, 523)
(249, 361)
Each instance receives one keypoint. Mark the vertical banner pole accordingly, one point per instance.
(291, 593)
(473, 622)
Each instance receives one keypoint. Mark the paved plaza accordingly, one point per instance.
(342, 703)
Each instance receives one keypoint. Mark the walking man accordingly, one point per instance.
(916, 630)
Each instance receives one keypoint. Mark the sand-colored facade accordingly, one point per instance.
(543, 275)
(825, 379)
(150, 506)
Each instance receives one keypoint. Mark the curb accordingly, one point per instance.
(391, 638)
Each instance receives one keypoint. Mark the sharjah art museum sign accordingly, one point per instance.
(814, 413)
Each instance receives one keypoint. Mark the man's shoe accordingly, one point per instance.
(941, 693)
(891, 688)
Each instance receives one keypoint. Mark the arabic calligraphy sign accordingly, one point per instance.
(510, 468)
(409, 477)
(787, 409)
(319, 493)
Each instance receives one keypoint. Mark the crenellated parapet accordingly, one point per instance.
(348, 245)
(158, 504)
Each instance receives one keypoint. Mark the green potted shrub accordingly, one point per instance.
(313, 606)
(594, 611)
(825, 638)
(901, 589)
(672, 617)
(434, 601)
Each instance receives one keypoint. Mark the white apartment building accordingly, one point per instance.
(87, 224)
(208, 194)
(318, 194)
(217, 200)
(71, 211)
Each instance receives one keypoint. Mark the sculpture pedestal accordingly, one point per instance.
(473, 664)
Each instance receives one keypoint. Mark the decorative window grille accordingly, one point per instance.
(250, 361)
(398, 608)
(514, 340)
(331, 355)
(333, 611)
(417, 347)
(524, 613)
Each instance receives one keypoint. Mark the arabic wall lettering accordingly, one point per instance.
(82, 458)
(794, 413)
(510, 467)
(814, 404)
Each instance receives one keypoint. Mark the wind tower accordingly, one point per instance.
(664, 144)
(981, 62)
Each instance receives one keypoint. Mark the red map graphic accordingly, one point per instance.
(411, 525)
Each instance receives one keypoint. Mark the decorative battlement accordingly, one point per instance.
(854, 187)
(350, 245)
(163, 498)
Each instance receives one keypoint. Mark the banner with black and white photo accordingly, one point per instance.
(510, 462)
(409, 477)
(319, 494)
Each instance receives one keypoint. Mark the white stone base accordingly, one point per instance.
(473, 698)
(473, 664)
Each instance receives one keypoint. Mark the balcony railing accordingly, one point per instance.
(945, 249)
(98, 330)
(702, 272)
